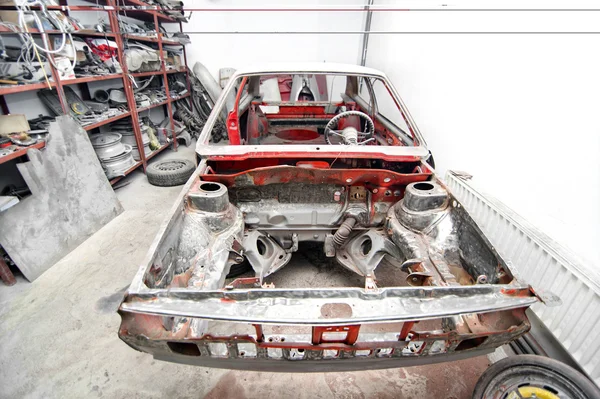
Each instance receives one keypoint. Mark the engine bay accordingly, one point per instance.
(354, 218)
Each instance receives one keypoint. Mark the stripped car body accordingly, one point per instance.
(403, 274)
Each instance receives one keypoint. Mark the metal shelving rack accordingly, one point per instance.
(145, 13)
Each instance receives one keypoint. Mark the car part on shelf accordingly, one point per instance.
(119, 164)
(103, 48)
(76, 104)
(141, 58)
(20, 72)
(107, 145)
(88, 62)
(129, 138)
(177, 84)
(117, 97)
(172, 172)
(101, 96)
(41, 122)
(22, 139)
(96, 107)
(531, 376)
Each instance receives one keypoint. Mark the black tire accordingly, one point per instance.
(239, 269)
(172, 172)
(531, 372)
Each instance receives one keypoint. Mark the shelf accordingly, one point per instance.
(152, 106)
(110, 11)
(128, 171)
(176, 70)
(81, 32)
(85, 79)
(105, 121)
(129, 36)
(150, 39)
(155, 152)
(145, 15)
(171, 43)
(21, 151)
(142, 74)
(18, 88)
(186, 95)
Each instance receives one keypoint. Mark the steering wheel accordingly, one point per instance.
(349, 135)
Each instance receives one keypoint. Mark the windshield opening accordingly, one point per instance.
(309, 108)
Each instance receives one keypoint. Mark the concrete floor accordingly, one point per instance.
(58, 335)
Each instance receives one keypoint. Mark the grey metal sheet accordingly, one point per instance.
(71, 200)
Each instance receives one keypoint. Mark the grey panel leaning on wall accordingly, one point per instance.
(71, 200)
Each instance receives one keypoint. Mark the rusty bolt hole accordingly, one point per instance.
(210, 187)
(423, 186)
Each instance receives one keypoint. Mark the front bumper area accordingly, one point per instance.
(347, 329)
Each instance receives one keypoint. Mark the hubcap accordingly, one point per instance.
(173, 165)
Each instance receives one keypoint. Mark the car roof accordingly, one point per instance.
(308, 67)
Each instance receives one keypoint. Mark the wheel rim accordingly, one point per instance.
(171, 165)
(533, 385)
(533, 392)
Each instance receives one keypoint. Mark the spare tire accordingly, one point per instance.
(530, 376)
(171, 172)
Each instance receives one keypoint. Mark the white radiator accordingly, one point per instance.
(545, 265)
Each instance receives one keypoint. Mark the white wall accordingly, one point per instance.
(519, 112)
(218, 51)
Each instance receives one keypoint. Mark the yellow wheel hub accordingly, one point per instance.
(532, 392)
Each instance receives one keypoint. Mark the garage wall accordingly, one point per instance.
(217, 51)
(519, 112)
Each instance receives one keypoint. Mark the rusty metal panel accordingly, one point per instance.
(545, 265)
(71, 200)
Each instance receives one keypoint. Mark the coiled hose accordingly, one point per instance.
(342, 234)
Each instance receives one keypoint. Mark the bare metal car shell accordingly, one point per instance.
(153, 319)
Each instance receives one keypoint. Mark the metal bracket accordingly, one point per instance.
(363, 253)
(264, 254)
